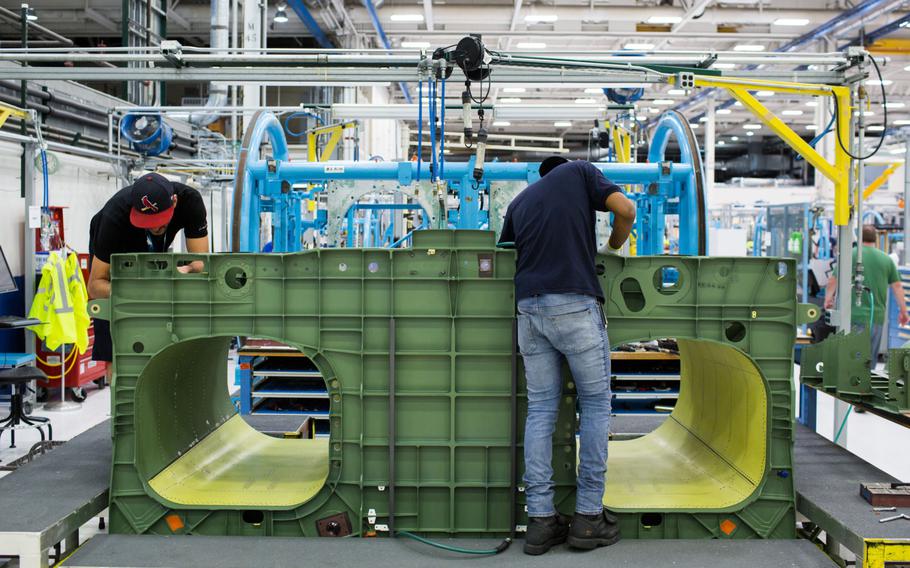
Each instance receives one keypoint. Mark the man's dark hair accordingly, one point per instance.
(870, 235)
(549, 164)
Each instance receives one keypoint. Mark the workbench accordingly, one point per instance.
(46, 501)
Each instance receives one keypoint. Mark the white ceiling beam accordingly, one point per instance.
(428, 14)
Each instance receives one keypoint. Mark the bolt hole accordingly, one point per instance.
(600, 269)
(138, 347)
(735, 331)
(235, 278)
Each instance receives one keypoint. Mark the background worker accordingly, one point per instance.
(879, 273)
(552, 223)
(144, 217)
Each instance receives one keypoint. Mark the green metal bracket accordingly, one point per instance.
(807, 313)
(100, 309)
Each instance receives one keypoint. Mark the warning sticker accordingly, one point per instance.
(334, 169)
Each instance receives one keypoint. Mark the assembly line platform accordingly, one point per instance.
(57, 493)
(111, 551)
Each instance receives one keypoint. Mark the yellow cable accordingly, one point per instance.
(43, 362)
(72, 362)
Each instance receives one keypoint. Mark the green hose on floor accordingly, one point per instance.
(487, 552)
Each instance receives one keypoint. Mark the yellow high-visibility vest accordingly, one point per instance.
(61, 294)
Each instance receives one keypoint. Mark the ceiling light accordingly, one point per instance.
(510, 100)
(812, 103)
(514, 90)
(694, 125)
(531, 45)
(750, 133)
(734, 138)
(642, 117)
(907, 68)
(901, 122)
(764, 93)
(664, 19)
(737, 104)
(889, 104)
(653, 110)
(446, 151)
(562, 124)
(502, 123)
(791, 22)
(676, 92)
(280, 15)
(415, 44)
(865, 113)
(792, 112)
(721, 143)
(724, 65)
(749, 47)
(594, 91)
(663, 102)
(896, 151)
(638, 46)
(703, 119)
(811, 127)
(541, 18)
(875, 128)
(585, 101)
(883, 82)
(407, 17)
(723, 111)
(752, 126)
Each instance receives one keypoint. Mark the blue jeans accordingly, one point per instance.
(551, 326)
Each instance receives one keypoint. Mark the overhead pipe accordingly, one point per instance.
(218, 92)
(300, 8)
(843, 23)
(384, 40)
(16, 18)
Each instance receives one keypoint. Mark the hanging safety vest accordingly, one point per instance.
(60, 296)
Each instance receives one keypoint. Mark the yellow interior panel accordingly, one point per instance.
(237, 466)
(711, 452)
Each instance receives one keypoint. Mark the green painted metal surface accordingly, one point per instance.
(450, 301)
(839, 366)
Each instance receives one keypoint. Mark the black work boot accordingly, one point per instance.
(592, 531)
(545, 532)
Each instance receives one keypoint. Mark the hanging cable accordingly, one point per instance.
(442, 136)
(419, 125)
(881, 139)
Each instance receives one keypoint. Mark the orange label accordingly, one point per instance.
(727, 527)
(174, 522)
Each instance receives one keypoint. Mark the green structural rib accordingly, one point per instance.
(436, 321)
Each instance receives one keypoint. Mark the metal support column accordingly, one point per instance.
(28, 261)
(906, 201)
(710, 141)
(23, 101)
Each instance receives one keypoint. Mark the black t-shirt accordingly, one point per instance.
(552, 224)
(111, 232)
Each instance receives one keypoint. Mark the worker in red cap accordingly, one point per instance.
(144, 217)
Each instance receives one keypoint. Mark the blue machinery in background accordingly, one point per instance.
(265, 183)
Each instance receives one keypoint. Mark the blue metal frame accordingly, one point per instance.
(371, 227)
(654, 204)
(267, 187)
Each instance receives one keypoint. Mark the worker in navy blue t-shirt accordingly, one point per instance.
(551, 223)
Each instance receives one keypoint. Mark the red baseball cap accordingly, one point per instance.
(153, 204)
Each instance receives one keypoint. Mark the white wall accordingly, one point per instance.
(81, 185)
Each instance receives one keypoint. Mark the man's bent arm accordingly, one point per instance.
(623, 210)
(99, 279)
